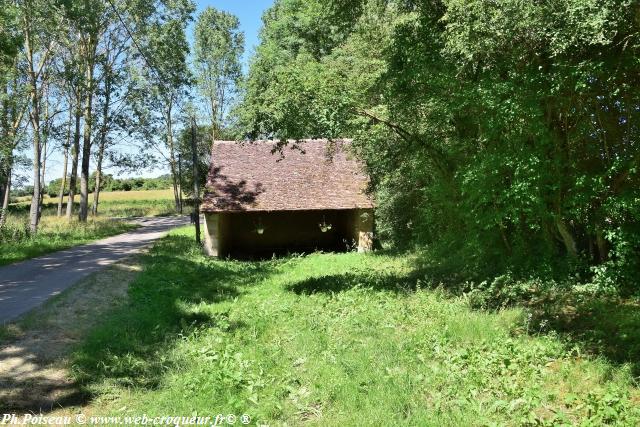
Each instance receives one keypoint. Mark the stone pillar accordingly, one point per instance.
(363, 223)
(213, 234)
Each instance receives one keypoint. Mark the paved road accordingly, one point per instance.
(27, 284)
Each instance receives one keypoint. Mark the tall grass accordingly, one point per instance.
(331, 339)
(17, 243)
(119, 204)
(54, 233)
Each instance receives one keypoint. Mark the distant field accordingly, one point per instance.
(110, 196)
(113, 203)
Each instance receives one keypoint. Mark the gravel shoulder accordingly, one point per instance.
(34, 351)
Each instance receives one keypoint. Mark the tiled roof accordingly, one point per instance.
(253, 176)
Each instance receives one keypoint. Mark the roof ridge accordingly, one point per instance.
(277, 140)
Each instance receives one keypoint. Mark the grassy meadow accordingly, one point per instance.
(114, 203)
(340, 339)
(56, 233)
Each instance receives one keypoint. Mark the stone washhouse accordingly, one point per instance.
(307, 196)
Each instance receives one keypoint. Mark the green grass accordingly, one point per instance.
(17, 244)
(121, 204)
(334, 339)
(134, 208)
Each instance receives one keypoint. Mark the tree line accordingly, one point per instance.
(501, 136)
(83, 79)
(108, 183)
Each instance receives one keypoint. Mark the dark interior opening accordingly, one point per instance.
(287, 232)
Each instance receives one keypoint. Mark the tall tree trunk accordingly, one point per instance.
(603, 246)
(86, 142)
(4, 181)
(172, 154)
(196, 180)
(5, 200)
(174, 183)
(35, 124)
(34, 211)
(5, 142)
(75, 151)
(103, 142)
(567, 238)
(5, 174)
(180, 181)
(98, 183)
(11, 120)
(43, 184)
(63, 183)
(214, 114)
(45, 140)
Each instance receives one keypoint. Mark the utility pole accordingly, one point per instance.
(180, 181)
(196, 184)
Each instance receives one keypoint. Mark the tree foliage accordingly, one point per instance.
(77, 77)
(500, 135)
(218, 46)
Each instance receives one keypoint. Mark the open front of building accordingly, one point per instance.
(264, 233)
(258, 203)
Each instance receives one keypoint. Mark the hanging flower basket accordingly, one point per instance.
(259, 229)
(324, 226)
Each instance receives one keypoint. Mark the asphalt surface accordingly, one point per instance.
(27, 284)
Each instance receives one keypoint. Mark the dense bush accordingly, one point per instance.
(14, 232)
(502, 136)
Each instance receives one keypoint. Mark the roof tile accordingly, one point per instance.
(305, 175)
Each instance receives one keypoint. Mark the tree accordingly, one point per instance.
(65, 162)
(90, 19)
(38, 45)
(218, 47)
(12, 104)
(112, 63)
(73, 88)
(495, 133)
(71, 57)
(162, 86)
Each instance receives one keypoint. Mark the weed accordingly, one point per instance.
(335, 339)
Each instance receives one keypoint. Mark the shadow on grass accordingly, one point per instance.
(165, 304)
(366, 280)
(610, 329)
(171, 299)
(605, 328)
